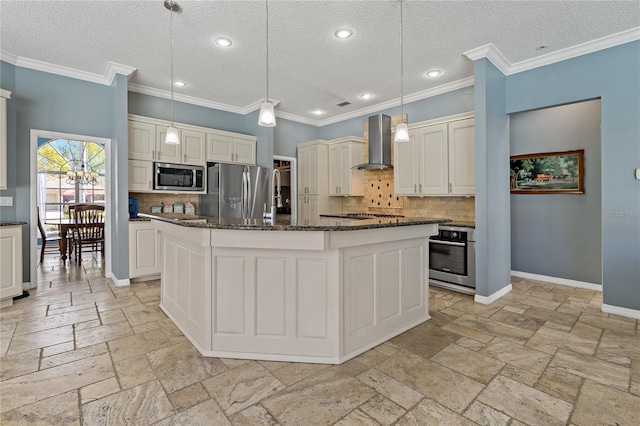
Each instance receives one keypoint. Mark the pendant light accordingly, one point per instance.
(402, 132)
(172, 137)
(267, 117)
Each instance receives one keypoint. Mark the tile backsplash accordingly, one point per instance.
(378, 188)
(148, 199)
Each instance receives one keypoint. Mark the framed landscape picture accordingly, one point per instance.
(548, 173)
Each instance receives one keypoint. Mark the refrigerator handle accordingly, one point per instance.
(243, 195)
(249, 195)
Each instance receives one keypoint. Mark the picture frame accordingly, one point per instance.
(547, 173)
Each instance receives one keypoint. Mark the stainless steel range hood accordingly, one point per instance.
(379, 143)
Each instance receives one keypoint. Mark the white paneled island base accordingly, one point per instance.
(301, 296)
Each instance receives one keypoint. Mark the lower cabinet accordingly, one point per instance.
(144, 256)
(308, 207)
(10, 263)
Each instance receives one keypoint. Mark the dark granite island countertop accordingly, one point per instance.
(286, 224)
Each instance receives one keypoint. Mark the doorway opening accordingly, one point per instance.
(288, 184)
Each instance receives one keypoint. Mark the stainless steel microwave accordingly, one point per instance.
(178, 177)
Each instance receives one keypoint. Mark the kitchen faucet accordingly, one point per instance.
(275, 182)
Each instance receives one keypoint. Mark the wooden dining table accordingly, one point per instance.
(64, 225)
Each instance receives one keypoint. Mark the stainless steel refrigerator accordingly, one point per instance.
(235, 191)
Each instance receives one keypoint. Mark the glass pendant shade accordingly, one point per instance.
(172, 137)
(402, 133)
(267, 117)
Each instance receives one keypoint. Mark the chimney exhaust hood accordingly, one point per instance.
(379, 143)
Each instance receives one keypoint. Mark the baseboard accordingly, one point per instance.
(556, 280)
(27, 286)
(625, 312)
(119, 283)
(487, 300)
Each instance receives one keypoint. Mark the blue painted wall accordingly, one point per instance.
(287, 134)
(613, 75)
(450, 103)
(548, 230)
(54, 103)
(493, 235)
(8, 82)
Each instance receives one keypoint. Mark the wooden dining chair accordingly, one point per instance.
(88, 231)
(47, 239)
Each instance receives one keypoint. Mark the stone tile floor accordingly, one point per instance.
(80, 350)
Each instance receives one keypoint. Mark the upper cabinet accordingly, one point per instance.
(4, 95)
(313, 179)
(343, 155)
(438, 160)
(146, 142)
(226, 148)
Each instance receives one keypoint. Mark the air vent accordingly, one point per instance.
(343, 104)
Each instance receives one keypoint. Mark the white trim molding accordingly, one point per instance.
(624, 312)
(556, 280)
(492, 53)
(487, 300)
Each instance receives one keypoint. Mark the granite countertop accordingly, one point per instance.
(461, 224)
(12, 223)
(285, 224)
(139, 219)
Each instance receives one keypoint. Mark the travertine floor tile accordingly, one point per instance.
(98, 390)
(134, 371)
(54, 321)
(472, 364)
(33, 387)
(356, 417)
(387, 386)
(318, 400)
(138, 344)
(73, 355)
(432, 380)
(517, 355)
(104, 333)
(599, 404)
(383, 410)
(620, 344)
(239, 388)
(559, 339)
(255, 415)
(592, 369)
(204, 414)
(295, 372)
(188, 397)
(140, 314)
(40, 339)
(485, 415)
(143, 404)
(19, 364)
(425, 340)
(490, 327)
(58, 410)
(429, 412)
(560, 383)
(525, 403)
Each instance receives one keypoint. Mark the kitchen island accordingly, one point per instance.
(310, 291)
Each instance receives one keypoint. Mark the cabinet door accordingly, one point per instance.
(303, 170)
(193, 147)
(142, 141)
(303, 208)
(3, 139)
(144, 256)
(10, 261)
(314, 170)
(314, 211)
(167, 153)
(244, 151)
(219, 148)
(433, 160)
(462, 157)
(335, 169)
(405, 167)
(140, 176)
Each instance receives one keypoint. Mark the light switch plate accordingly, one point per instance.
(6, 201)
(638, 174)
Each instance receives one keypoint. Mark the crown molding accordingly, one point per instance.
(297, 118)
(151, 91)
(445, 88)
(105, 79)
(5, 94)
(578, 50)
(492, 53)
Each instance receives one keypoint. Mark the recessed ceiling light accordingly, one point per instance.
(179, 83)
(366, 96)
(343, 33)
(224, 42)
(434, 73)
(318, 111)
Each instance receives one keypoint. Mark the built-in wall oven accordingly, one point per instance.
(452, 259)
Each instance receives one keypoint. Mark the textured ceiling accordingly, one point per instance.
(309, 67)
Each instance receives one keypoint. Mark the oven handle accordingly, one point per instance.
(447, 243)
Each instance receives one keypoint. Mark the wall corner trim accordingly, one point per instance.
(121, 283)
(617, 310)
(113, 69)
(487, 300)
(492, 53)
(560, 281)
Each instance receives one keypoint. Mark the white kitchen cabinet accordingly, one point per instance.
(4, 95)
(231, 149)
(438, 160)
(343, 155)
(313, 182)
(10, 263)
(144, 256)
(146, 143)
(308, 207)
(140, 176)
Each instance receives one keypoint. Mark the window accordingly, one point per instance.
(69, 172)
